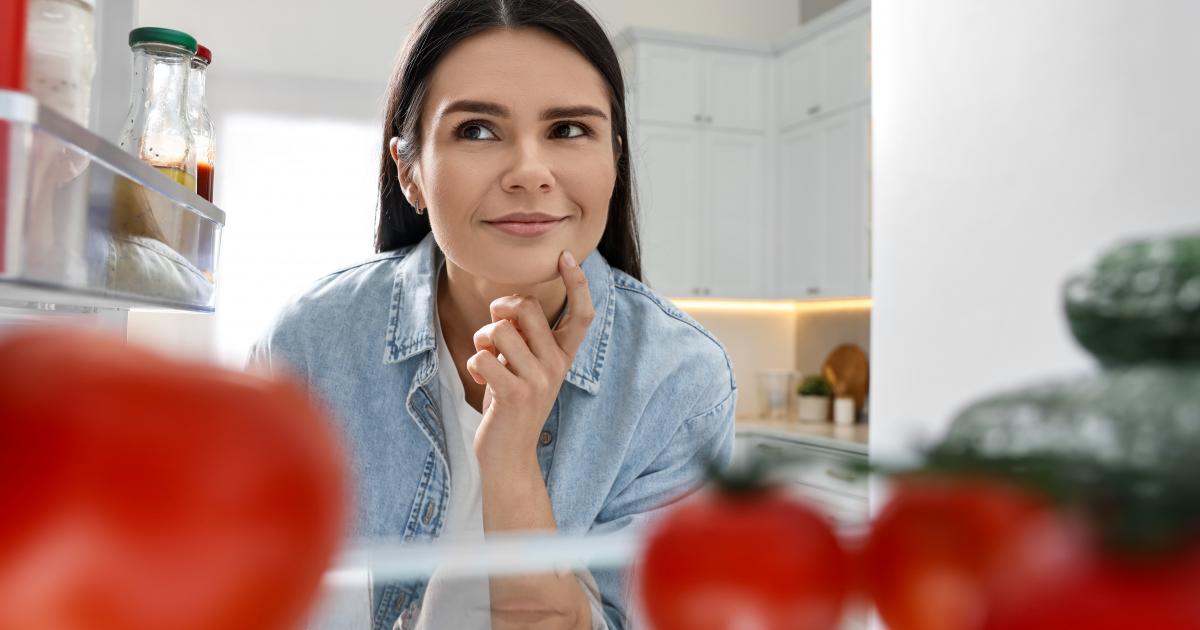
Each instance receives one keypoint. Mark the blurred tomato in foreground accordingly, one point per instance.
(1102, 589)
(751, 559)
(144, 493)
(940, 548)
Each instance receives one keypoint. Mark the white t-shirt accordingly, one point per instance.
(466, 603)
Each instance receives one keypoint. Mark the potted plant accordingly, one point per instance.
(814, 394)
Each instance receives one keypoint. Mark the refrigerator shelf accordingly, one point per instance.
(85, 224)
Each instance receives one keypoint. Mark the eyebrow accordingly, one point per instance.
(500, 111)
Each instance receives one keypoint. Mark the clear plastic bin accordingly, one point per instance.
(84, 223)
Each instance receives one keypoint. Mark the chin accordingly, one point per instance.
(526, 268)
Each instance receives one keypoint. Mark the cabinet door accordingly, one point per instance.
(799, 229)
(799, 80)
(667, 172)
(845, 61)
(735, 180)
(735, 91)
(845, 175)
(669, 84)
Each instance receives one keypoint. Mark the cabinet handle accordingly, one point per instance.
(814, 109)
(839, 475)
(708, 119)
(813, 290)
(698, 118)
(706, 291)
(770, 450)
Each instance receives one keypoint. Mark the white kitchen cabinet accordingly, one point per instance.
(702, 226)
(735, 91)
(693, 86)
(797, 249)
(798, 78)
(742, 200)
(821, 232)
(667, 166)
(734, 208)
(824, 74)
(667, 84)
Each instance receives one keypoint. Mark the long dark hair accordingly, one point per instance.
(444, 24)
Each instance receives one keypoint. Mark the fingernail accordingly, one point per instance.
(570, 260)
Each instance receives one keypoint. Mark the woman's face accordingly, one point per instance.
(509, 182)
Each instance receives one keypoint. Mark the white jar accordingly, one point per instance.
(60, 55)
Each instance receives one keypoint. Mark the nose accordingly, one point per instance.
(529, 171)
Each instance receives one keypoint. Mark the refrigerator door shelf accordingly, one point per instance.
(83, 223)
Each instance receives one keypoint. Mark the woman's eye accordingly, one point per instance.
(583, 131)
(473, 130)
(466, 127)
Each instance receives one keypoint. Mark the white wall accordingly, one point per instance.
(1012, 140)
(358, 39)
(819, 332)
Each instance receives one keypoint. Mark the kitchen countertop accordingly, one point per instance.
(850, 438)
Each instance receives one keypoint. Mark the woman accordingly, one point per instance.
(498, 365)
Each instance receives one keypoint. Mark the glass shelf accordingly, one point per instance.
(82, 223)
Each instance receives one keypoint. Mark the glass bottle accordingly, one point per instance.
(201, 123)
(156, 129)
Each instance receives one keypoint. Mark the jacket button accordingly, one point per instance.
(547, 438)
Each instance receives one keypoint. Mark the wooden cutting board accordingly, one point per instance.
(848, 371)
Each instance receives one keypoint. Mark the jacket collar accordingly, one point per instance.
(410, 326)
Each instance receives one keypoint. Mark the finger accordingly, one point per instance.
(485, 368)
(580, 312)
(487, 399)
(502, 336)
(531, 323)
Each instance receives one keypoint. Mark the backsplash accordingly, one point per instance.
(792, 337)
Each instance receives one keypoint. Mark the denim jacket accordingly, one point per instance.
(647, 403)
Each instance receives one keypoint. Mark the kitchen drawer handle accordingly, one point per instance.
(814, 290)
(814, 110)
(840, 475)
(767, 448)
(697, 118)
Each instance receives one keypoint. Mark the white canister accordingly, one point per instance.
(60, 55)
(843, 411)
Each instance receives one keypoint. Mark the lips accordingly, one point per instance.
(526, 223)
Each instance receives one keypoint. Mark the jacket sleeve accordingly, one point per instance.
(280, 350)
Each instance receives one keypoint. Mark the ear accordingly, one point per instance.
(408, 175)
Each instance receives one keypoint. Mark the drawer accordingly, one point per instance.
(818, 467)
(846, 512)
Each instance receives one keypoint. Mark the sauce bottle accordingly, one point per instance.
(201, 123)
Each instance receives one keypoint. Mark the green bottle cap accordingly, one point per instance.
(156, 35)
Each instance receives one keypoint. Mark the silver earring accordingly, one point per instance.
(420, 210)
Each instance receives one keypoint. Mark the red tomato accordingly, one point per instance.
(144, 493)
(1100, 590)
(935, 551)
(758, 560)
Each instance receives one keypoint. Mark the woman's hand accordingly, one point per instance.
(523, 363)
